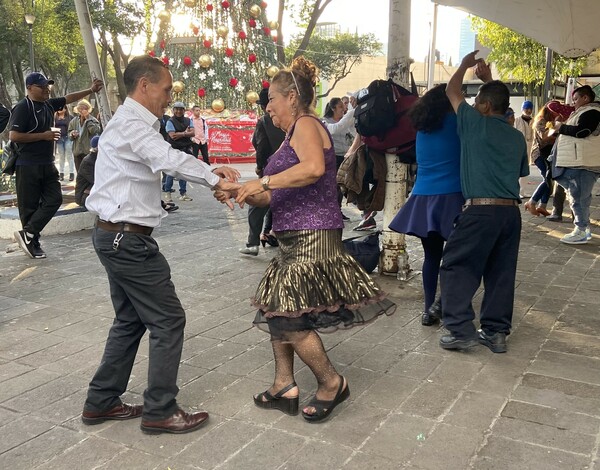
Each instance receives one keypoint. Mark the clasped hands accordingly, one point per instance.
(240, 193)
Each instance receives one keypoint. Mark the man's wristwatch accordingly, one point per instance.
(265, 182)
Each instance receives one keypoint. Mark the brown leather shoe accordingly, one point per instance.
(179, 423)
(121, 412)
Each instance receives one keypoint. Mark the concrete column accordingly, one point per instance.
(85, 23)
(397, 173)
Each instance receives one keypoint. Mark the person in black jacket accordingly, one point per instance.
(85, 175)
(266, 140)
(180, 131)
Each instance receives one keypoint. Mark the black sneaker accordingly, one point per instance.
(38, 253)
(433, 314)
(25, 243)
(496, 342)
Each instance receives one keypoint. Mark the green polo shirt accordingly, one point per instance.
(493, 155)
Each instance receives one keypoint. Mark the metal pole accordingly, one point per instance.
(397, 173)
(548, 80)
(85, 24)
(31, 57)
(432, 48)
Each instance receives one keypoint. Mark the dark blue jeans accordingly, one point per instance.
(484, 245)
(543, 191)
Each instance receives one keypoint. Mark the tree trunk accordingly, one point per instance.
(314, 18)
(116, 54)
(280, 47)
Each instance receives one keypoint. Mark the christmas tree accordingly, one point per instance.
(221, 53)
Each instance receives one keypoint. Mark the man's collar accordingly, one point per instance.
(140, 110)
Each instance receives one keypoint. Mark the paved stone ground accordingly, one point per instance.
(413, 405)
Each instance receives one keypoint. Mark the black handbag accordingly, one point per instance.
(10, 154)
(365, 250)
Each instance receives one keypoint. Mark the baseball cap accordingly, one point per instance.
(178, 104)
(37, 78)
(527, 105)
(263, 97)
(94, 142)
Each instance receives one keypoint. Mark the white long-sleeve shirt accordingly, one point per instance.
(131, 156)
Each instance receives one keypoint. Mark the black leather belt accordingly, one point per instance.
(123, 227)
(490, 201)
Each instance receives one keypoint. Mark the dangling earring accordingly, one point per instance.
(294, 110)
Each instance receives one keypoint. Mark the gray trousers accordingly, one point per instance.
(144, 298)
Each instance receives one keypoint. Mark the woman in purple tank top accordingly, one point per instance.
(312, 284)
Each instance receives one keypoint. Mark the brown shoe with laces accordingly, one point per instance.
(120, 412)
(178, 423)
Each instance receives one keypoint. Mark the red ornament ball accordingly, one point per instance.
(195, 30)
(209, 7)
(263, 5)
(233, 82)
(267, 31)
(162, 44)
(242, 35)
(252, 23)
(152, 54)
(165, 60)
(225, 4)
(187, 60)
(266, 84)
(207, 43)
(229, 52)
(252, 58)
(201, 92)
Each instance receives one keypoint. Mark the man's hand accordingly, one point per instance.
(470, 61)
(483, 72)
(230, 174)
(97, 85)
(50, 135)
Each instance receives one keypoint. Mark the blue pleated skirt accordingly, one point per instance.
(422, 215)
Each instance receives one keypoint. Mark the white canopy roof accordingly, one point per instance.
(568, 27)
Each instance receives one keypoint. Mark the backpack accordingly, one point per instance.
(381, 117)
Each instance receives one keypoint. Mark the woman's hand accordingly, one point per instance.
(224, 191)
(248, 189)
(230, 174)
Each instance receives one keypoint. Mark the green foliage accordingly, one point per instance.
(520, 57)
(335, 56)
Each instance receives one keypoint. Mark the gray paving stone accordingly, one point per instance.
(21, 430)
(362, 460)
(506, 453)
(387, 392)
(47, 393)
(447, 447)
(454, 372)
(41, 449)
(8, 370)
(86, 454)
(430, 400)
(131, 459)
(318, 455)
(25, 382)
(475, 410)
(268, 450)
(574, 343)
(563, 420)
(567, 366)
(416, 365)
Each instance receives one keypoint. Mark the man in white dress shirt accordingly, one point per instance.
(126, 198)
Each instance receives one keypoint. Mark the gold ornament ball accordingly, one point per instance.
(205, 61)
(189, 3)
(251, 97)
(218, 105)
(255, 11)
(273, 25)
(222, 31)
(272, 70)
(178, 86)
(164, 15)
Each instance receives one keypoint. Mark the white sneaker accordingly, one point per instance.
(588, 234)
(576, 237)
(249, 250)
(185, 197)
(167, 197)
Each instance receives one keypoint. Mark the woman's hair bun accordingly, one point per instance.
(305, 67)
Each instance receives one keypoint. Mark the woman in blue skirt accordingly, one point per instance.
(436, 198)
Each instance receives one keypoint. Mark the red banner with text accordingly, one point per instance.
(231, 141)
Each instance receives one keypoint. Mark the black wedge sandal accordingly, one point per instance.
(324, 408)
(278, 401)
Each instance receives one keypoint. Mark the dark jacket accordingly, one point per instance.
(181, 125)
(266, 140)
(85, 178)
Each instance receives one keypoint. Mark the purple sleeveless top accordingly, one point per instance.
(312, 207)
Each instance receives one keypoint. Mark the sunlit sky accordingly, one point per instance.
(372, 16)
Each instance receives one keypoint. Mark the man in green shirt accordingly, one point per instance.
(485, 240)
